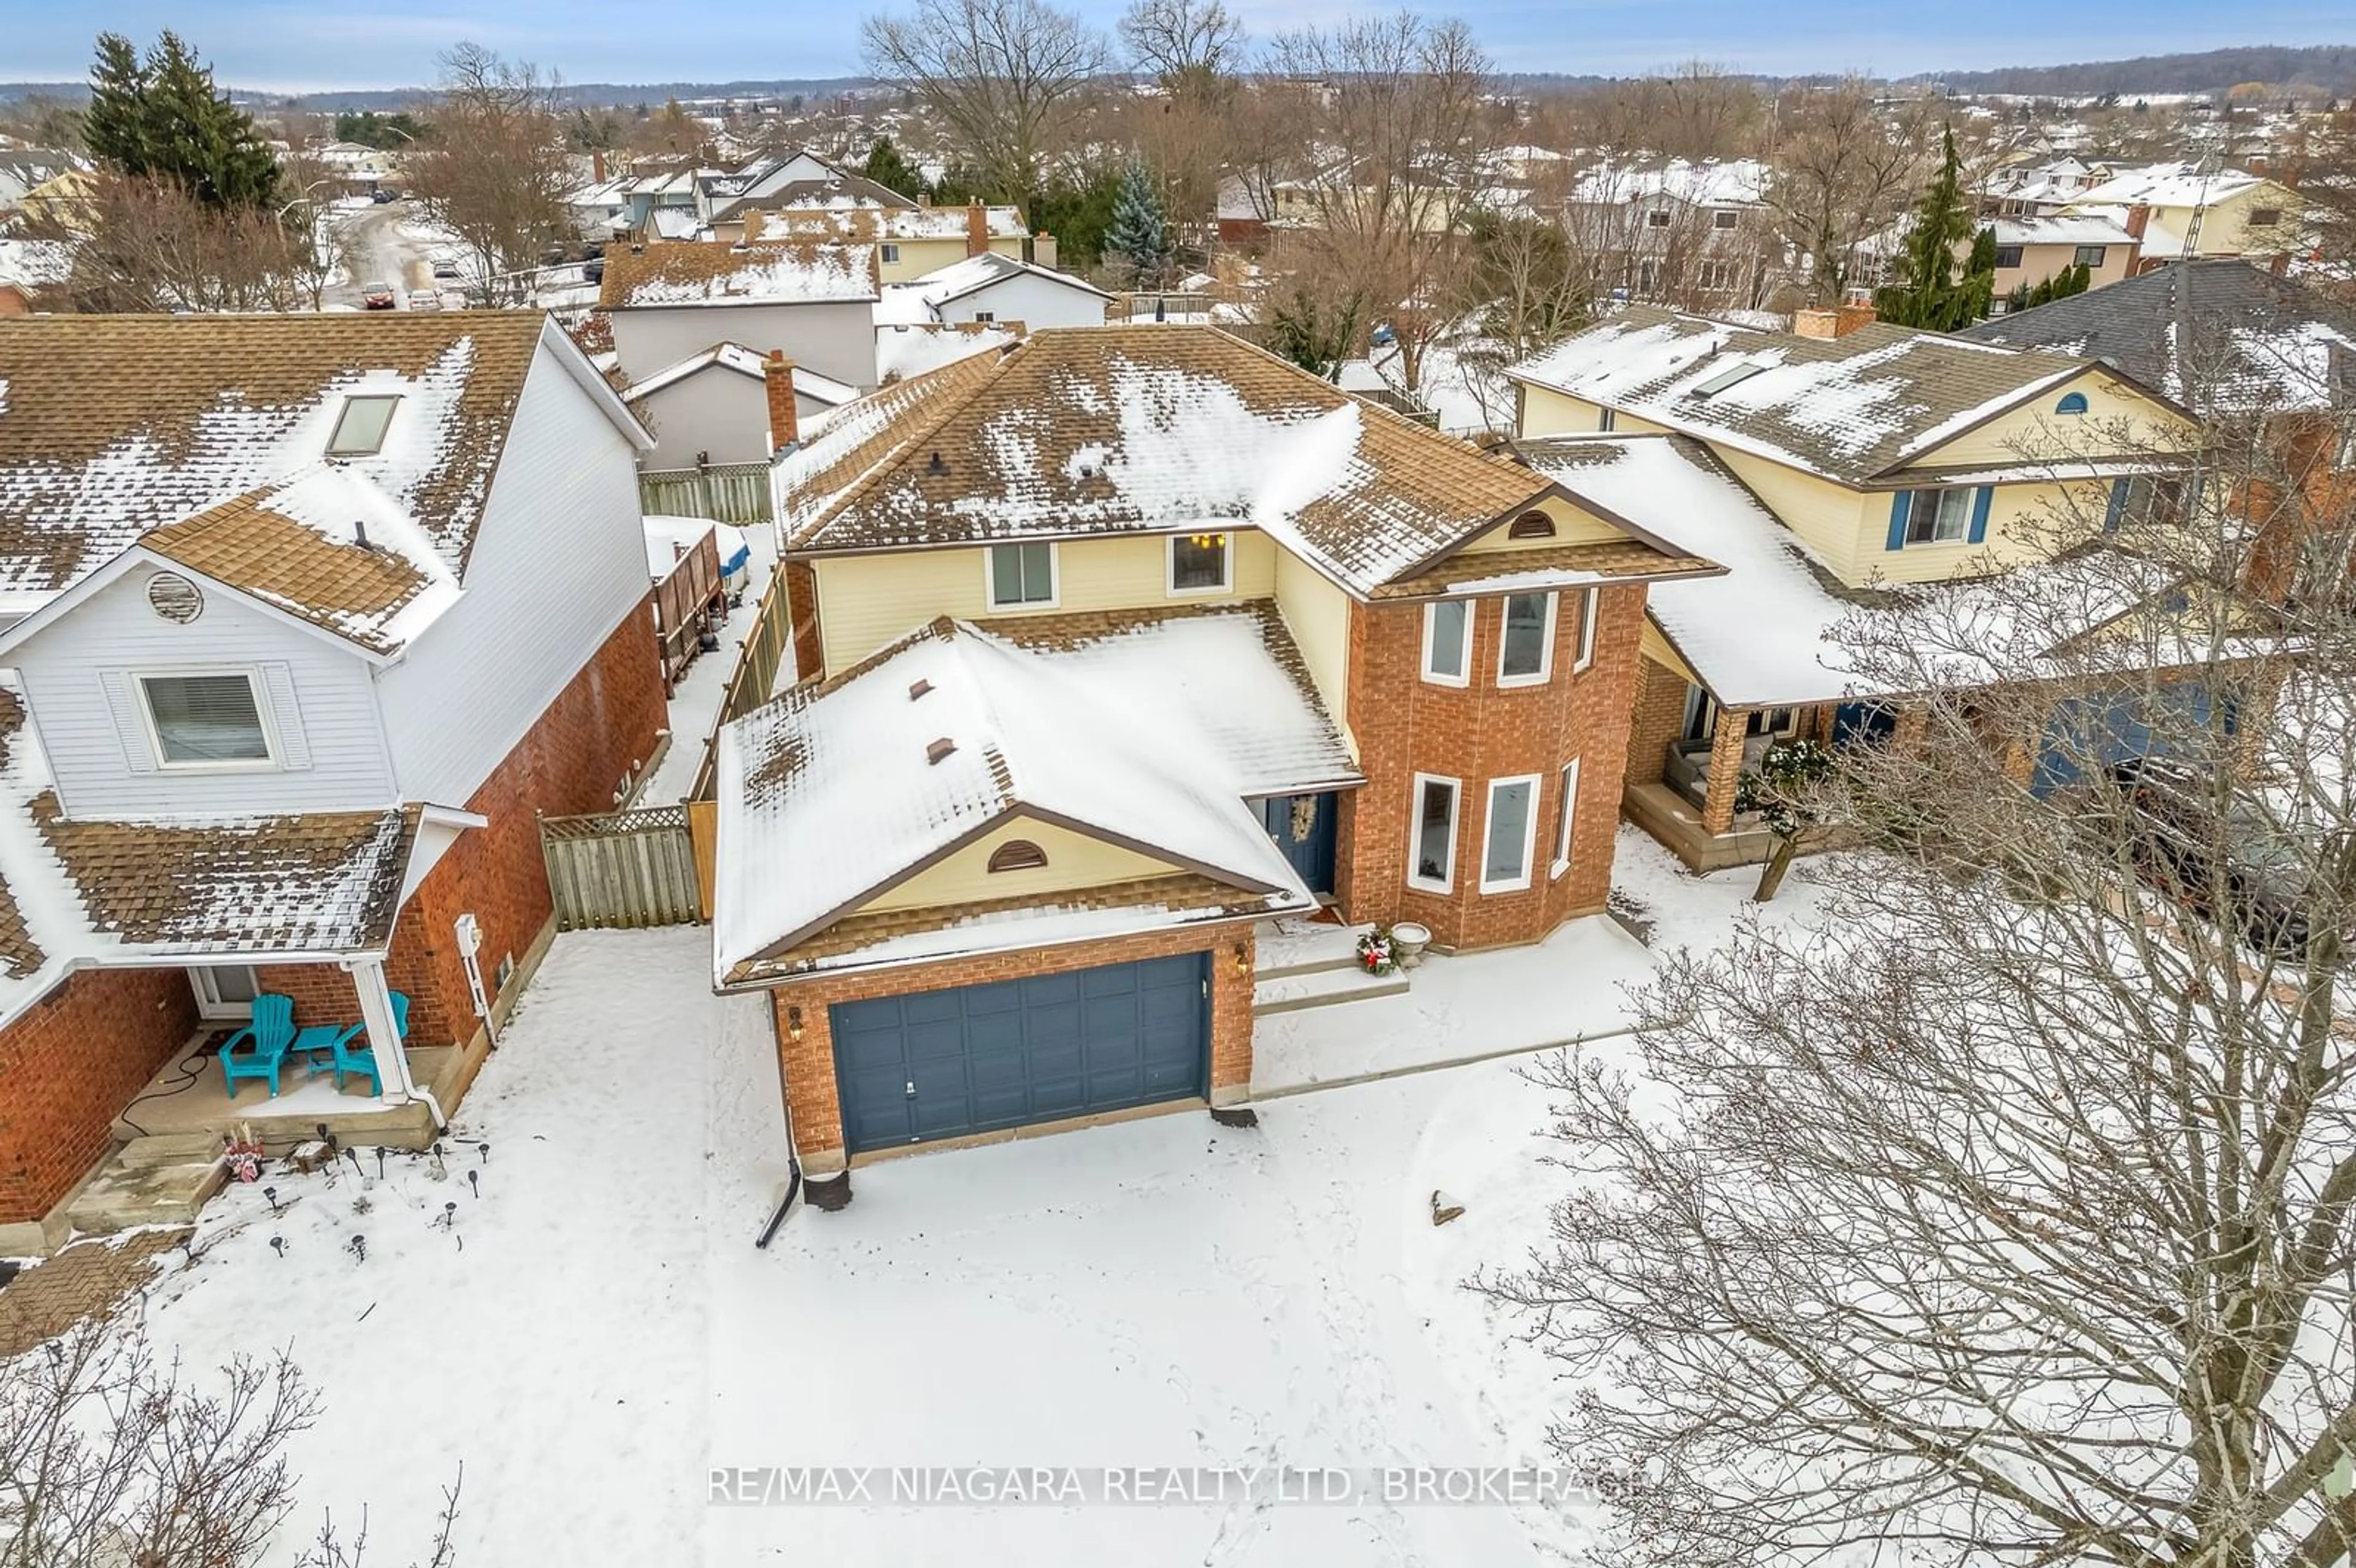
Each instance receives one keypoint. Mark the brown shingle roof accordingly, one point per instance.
(316, 882)
(1119, 430)
(1570, 563)
(713, 271)
(347, 589)
(113, 424)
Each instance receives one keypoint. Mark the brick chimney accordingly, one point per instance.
(13, 301)
(977, 229)
(784, 419)
(1043, 251)
(598, 165)
(1838, 321)
(2138, 217)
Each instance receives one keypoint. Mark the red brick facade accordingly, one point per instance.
(1405, 725)
(1658, 720)
(597, 732)
(807, 1063)
(69, 1065)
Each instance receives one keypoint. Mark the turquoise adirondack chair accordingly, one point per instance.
(351, 1047)
(267, 1040)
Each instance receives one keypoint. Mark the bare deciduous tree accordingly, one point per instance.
(150, 245)
(496, 172)
(2009, 1215)
(108, 1458)
(1842, 170)
(1185, 134)
(1006, 78)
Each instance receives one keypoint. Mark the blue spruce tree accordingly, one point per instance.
(1139, 234)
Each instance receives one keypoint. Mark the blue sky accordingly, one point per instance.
(277, 46)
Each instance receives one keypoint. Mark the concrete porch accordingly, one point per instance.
(188, 1097)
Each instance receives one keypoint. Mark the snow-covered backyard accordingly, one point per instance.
(592, 1331)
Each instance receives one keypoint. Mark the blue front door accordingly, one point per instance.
(1302, 826)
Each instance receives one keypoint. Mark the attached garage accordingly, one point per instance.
(976, 1059)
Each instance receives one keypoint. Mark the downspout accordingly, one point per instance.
(793, 1154)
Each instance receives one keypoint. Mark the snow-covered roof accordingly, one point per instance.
(1757, 636)
(2169, 184)
(2222, 335)
(714, 273)
(904, 350)
(112, 426)
(1735, 182)
(1110, 430)
(671, 539)
(79, 893)
(874, 225)
(1851, 407)
(736, 356)
(2061, 229)
(1147, 736)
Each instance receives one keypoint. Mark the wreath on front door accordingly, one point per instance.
(1304, 817)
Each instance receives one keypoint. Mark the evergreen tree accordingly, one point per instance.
(162, 118)
(1930, 296)
(889, 168)
(1140, 234)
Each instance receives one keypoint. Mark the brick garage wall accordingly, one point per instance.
(808, 1064)
(598, 730)
(1658, 718)
(69, 1065)
(1405, 725)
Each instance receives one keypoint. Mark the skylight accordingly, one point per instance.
(360, 430)
(1726, 378)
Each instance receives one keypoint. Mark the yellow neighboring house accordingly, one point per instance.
(910, 241)
(67, 201)
(2180, 211)
(2031, 249)
(1822, 469)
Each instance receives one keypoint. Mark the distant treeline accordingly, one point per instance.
(2329, 67)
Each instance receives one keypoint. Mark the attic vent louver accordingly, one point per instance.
(939, 749)
(918, 689)
(174, 598)
(937, 468)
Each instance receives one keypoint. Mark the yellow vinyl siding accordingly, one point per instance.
(1317, 613)
(918, 257)
(1571, 526)
(1075, 862)
(867, 601)
(1655, 647)
(1846, 527)
(1547, 413)
(2117, 423)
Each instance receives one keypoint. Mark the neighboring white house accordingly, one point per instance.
(311, 615)
(715, 405)
(991, 288)
(670, 301)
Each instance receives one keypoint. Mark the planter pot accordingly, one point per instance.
(1408, 941)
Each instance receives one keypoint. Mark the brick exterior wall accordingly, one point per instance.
(585, 742)
(801, 618)
(808, 1064)
(69, 1065)
(1405, 725)
(1659, 718)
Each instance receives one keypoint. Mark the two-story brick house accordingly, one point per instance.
(1849, 466)
(310, 616)
(1114, 644)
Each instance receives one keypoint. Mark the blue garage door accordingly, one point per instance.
(2100, 734)
(940, 1064)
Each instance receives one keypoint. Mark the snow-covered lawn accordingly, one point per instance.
(595, 1331)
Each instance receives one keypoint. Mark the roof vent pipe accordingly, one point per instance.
(359, 534)
(939, 749)
(918, 689)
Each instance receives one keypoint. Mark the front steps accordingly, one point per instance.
(1307, 966)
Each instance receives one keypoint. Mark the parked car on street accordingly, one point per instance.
(425, 299)
(377, 296)
(446, 267)
(382, 196)
(594, 270)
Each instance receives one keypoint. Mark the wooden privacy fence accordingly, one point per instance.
(755, 677)
(623, 868)
(725, 492)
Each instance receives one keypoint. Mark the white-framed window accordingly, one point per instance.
(1431, 833)
(208, 721)
(1525, 640)
(1657, 218)
(1448, 642)
(1725, 218)
(224, 991)
(1201, 563)
(1938, 517)
(891, 253)
(1563, 834)
(1020, 576)
(1508, 834)
(1590, 601)
(2090, 256)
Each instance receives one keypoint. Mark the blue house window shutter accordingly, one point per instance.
(1899, 505)
(1980, 499)
(2118, 504)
